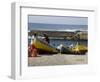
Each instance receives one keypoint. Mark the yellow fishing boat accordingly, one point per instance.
(79, 49)
(44, 47)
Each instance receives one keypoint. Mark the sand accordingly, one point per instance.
(57, 59)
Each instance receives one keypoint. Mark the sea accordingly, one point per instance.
(56, 27)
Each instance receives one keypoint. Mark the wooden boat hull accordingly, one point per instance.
(79, 49)
(44, 48)
(65, 50)
(76, 50)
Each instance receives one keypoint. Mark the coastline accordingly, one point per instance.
(57, 59)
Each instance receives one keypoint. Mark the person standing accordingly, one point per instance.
(32, 48)
(46, 38)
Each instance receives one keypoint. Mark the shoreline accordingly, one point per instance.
(57, 59)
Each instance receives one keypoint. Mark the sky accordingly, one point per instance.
(36, 22)
(58, 20)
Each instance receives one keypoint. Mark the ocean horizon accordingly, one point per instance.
(56, 27)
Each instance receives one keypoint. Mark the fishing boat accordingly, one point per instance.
(64, 49)
(43, 47)
(79, 49)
